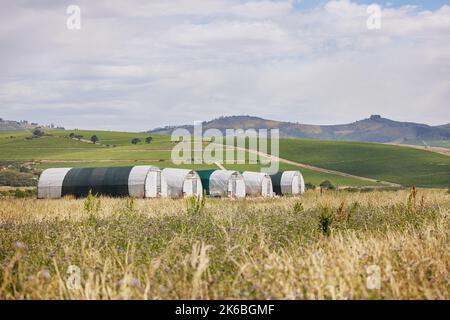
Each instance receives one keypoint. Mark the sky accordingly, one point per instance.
(136, 65)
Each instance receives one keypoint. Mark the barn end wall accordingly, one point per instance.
(51, 182)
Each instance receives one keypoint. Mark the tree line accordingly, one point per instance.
(94, 138)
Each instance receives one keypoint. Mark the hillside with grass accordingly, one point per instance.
(384, 162)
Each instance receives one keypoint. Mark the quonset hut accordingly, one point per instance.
(137, 181)
(257, 184)
(177, 183)
(288, 183)
(223, 183)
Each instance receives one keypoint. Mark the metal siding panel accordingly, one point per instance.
(205, 176)
(220, 181)
(267, 188)
(302, 184)
(276, 183)
(173, 179)
(137, 180)
(286, 182)
(254, 183)
(240, 188)
(108, 181)
(192, 185)
(282, 182)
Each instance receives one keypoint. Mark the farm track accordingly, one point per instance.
(440, 150)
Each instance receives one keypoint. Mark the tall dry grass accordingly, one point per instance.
(311, 247)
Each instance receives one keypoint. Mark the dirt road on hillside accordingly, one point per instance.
(317, 169)
(440, 150)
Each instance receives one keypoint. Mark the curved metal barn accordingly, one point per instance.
(223, 183)
(178, 183)
(137, 181)
(51, 183)
(258, 184)
(288, 183)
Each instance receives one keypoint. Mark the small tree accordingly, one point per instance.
(94, 139)
(71, 135)
(148, 140)
(37, 133)
(327, 185)
(136, 141)
(78, 136)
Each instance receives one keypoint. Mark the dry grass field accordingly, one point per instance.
(311, 247)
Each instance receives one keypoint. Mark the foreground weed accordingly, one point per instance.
(92, 205)
(325, 220)
(298, 207)
(130, 204)
(196, 204)
(340, 212)
(411, 203)
(353, 209)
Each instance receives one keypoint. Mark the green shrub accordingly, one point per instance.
(94, 139)
(136, 141)
(37, 133)
(327, 185)
(310, 186)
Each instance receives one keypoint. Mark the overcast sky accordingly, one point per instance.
(136, 65)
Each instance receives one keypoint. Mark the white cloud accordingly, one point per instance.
(139, 64)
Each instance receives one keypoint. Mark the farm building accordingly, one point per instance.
(257, 184)
(137, 181)
(288, 182)
(223, 183)
(177, 183)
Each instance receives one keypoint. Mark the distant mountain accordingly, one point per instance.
(373, 129)
(445, 126)
(13, 126)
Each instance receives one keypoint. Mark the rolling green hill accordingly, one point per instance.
(381, 162)
(384, 162)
